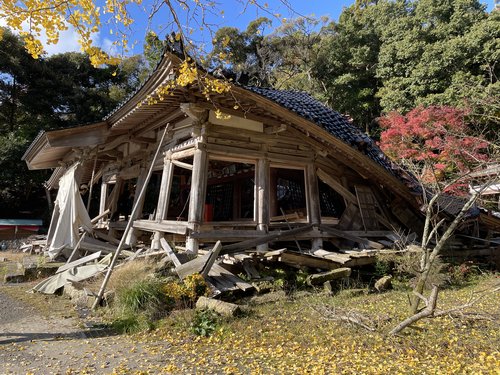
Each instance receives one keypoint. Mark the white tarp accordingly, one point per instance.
(53, 283)
(69, 214)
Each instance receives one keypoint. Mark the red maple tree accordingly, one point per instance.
(436, 140)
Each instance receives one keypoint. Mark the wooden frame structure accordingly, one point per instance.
(267, 164)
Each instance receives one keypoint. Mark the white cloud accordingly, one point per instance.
(68, 42)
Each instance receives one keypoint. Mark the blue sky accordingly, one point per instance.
(234, 15)
(237, 16)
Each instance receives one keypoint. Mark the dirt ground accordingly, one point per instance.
(34, 342)
(46, 335)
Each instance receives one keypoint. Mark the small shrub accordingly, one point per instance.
(184, 294)
(143, 296)
(461, 273)
(205, 322)
(382, 267)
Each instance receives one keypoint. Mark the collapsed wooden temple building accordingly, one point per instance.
(250, 164)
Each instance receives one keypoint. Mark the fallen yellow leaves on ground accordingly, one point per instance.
(290, 337)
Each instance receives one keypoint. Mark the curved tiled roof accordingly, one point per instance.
(333, 122)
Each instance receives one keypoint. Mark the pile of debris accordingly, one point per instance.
(227, 269)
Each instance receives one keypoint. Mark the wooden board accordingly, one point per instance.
(79, 262)
(343, 234)
(367, 207)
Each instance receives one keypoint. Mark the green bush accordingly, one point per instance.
(143, 296)
(205, 322)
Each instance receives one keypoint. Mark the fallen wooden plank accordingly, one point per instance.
(201, 264)
(170, 252)
(107, 237)
(104, 247)
(79, 262)
(338, 258)
(214, 253)
(343, 234)
(218, 271)
(306, 260)
(273, 253)
(100, 216)
(221, 307)
(320, 278)
(281, 234)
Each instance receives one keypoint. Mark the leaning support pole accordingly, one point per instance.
(92, 182)
(129, 223)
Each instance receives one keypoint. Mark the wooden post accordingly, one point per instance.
(198, 193)
(113, 202)
(164, 197)
(262, 198)
(199, 115)
(313, 204)
(102, 201)
(127, 228)
(142, 183)
(91, 183)
(273, 199)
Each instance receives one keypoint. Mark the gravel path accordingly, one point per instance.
(12, 310)
(31, 343)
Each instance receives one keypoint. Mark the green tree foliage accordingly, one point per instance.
(296, 46)
(244, 51)
(438, 52)
(348, 56)
(283, 59)
(384, 56)
(48, 93)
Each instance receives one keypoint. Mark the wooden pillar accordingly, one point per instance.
(197, 195)
(113, 201)
(262, 198)
(164, 197)
(141, 180)
(313, 204)
(273, 198)
(199, 116)
(102, 200)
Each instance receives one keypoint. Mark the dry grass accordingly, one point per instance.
(123, 275)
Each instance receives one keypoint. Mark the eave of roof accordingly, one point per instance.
(49, 147)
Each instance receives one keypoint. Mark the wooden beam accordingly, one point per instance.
(182, 165)
(313, 204)
(342, 234)
(228, 235)
(198, 194)
(170, 252)
(262, 193)
(165, 226)
(214, 253)
(163, 197)
(278, 235)
(99, 217)
(337, 186)
(79, 262)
